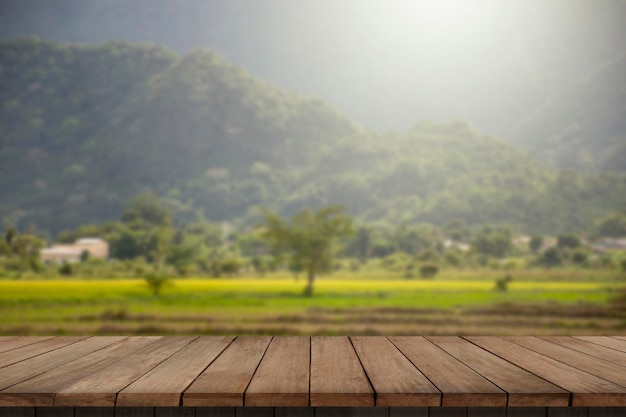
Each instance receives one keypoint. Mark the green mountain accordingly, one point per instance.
(85, 129)
(584, 128)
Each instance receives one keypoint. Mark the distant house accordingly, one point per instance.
(96, 247)
(453, 244)
(608, 243)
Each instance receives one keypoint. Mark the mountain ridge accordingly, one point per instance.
(84, 129)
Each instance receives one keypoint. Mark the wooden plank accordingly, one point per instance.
(94, 412)
(21, 371)
(55, 412)
(41, 389)
(586, 389)
(619, 337)
(592, 349)
(294, 412)
(448, 412)
(395, 380)
(134, 412)
(523, 387)
(17, 355)
(609, 342)
(459, 384)
(225, 380)
(174, 412)
(337, 378)
(526, 412)
(486, 412)
(17, 411)
(408, 412)
(164, 385)
(282, 377)
(352, 412)
(215, 411)
(101, 387)
(605, 412)
(18, 342)
(254, 412)
(567, 411)
(595, 366)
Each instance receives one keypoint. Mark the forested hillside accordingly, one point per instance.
(84, 129)
(583, 128)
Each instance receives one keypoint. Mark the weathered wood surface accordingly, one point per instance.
(553, 376)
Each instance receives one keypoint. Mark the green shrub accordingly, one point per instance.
(156, 281)
(502, 284)
(66, 269)
(428, 271)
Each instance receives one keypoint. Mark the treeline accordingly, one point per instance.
(145, 241)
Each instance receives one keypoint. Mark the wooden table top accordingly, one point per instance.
(313, 371)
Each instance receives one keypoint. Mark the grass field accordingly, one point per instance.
(341, 305)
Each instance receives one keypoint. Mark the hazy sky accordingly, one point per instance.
(386, 63)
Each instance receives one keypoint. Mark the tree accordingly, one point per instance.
(568, 241)
(535, 243)
(494, 242)
(308, 238)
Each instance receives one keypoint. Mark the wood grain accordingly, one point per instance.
(41, 389)
(22, 371)
(459, 384)
(17, 355)
(337, 378)
(610, 342)
(592, 349)
(223, 383)
(282, 378)
(164, 385)
(595, 366)
(586, 389)
(523, 387)
(100, 388)
(18, 342)
(395, 379)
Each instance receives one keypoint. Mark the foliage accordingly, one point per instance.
(568, 241)
(502, 284)
(66, 269)
(612, 225)
(551, 257)
(308, 238)
(428, 271)
(156, 281)
(214, 143)
(493, 241)
(535, 243)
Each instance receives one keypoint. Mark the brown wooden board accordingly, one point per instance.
(395, 380)
(337, 378)
(592, 349)
(524, 388)
(459, 384)
(18, 342)
(164, 385)
(610, 342)
(17, 355)
(101, 387)
(41, 389)
(21, 371)
(282, 378)
(586, 389)
(223, 383)
(595, 366)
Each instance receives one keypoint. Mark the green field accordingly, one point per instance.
(342, 304)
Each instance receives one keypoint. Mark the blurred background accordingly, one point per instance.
(312, 167)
